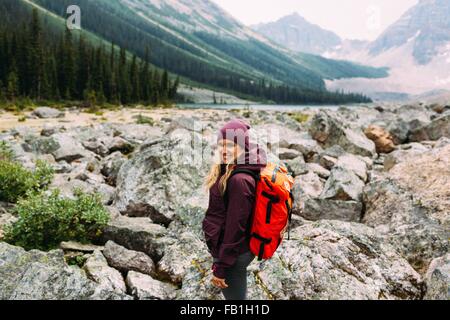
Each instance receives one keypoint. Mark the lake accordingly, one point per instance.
(267, 107)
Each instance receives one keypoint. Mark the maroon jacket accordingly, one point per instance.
(225, 228)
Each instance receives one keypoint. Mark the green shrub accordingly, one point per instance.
(145, 120)
(17, 181)
(46, 220)
(299, 117)
(6, 152)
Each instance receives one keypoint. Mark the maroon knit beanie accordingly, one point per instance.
(237, 131)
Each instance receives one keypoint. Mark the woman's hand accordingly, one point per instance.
(220, 283)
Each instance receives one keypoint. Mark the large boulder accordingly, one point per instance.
(163, 176)
(324, 260)
(401, 217)
(426, 176)
(144, 287)
(356, 164)
(329, 131)
(47, 113)
(405, 152)
(37, 275)
(179, 256)
(138, 234)
(126, 260)
(98, 270)
(308, 203)
(111, 165)
(384, 142)
(437, 279)
(69, 148)
(405, 119)
(435, 130)
(343, 184)
(326, 209)
(281, 136)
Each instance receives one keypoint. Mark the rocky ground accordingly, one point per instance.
(372, 210)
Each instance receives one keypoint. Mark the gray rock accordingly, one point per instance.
(398, 156)
(327, 162)
(111, 166)
(306, 145)
(354, 164)
(98, 270)
(179, 256)
(120, 144)
(437, 279)
(47, 113)
(144, 287)
(69, 148)
(343, 184)
(37, 275)
(188, 123)
(48, 131)
(325, 209)
(280, 136)
(81, 247)
(435, 130)
(296, 166)
(329, 131)
(97, 146)
(405, 119)
(138, 234)
(126, 260)
(162, 176)
(405, 222)
(307, 185)
(324, 260)
(318, 169)
(288, 154)
(40, 145)
(62, 167)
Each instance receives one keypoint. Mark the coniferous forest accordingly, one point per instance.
(40, 61)
(51, 66)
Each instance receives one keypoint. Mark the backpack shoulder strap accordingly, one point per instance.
(254, 174)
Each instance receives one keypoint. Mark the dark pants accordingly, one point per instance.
(236, 278)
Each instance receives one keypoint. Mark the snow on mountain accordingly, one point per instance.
(296, 33)
(416, 48)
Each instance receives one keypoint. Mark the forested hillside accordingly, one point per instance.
(42, 62)
(239, 64)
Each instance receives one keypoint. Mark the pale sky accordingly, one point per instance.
(350, 19)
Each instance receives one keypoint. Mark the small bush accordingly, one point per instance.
(145, 120)
(17, 181)
(6, 152)
(46, 220)
(299, 117)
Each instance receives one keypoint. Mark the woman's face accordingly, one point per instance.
(229, 151)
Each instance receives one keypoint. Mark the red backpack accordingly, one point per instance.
(272, 211)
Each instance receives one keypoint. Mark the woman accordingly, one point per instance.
(231, 199)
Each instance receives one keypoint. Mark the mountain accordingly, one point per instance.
(296, 33)
(203, 44)
(427, 25)
(416, 49)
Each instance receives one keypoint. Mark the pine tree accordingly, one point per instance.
(69, 65)
(134, 80)
(12, 86)
(164, 86)
(36, 57)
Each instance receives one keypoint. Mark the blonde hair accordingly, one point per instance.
(215, 171)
